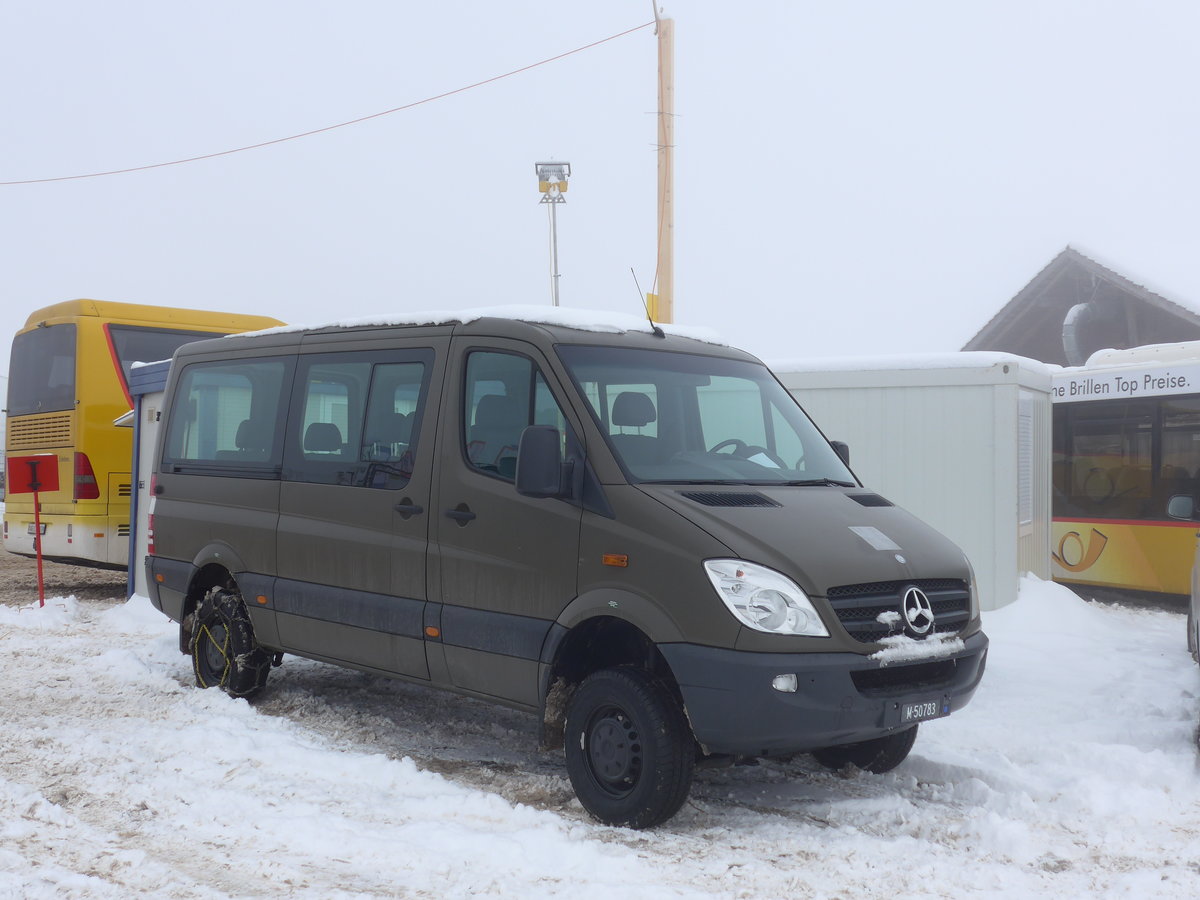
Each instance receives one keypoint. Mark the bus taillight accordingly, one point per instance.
(86, 487)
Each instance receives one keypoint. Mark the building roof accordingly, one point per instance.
(1113, 311)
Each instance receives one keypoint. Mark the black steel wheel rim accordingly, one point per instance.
(614, 751)
(215, 651)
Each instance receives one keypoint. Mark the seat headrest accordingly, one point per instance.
(497, 411)
(634, 409)
(252, 436)
(392, 428)
(322, 437)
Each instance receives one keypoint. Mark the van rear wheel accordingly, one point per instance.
(222, 646)
(629, 749)
(878, 755)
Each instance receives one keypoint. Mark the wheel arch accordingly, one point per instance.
(206, 576)
(599, 630)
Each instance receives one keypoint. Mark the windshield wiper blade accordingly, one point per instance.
(821, 482)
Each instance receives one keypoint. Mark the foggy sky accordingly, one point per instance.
(851, 179)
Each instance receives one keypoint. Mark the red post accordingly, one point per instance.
(37, 536)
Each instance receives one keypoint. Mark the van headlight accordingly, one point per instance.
(763, 598)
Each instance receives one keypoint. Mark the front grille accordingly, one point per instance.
(892, 679)
(37, 432)
(729, 498)
(858, 606)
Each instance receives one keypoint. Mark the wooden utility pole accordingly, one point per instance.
(663, 303)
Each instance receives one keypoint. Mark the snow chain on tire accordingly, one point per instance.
(222, 646)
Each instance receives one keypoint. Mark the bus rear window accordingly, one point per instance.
(41, 372)
(135, 344)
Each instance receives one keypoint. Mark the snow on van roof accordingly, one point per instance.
(602, 321)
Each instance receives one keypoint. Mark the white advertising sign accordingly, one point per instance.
(1110, 384)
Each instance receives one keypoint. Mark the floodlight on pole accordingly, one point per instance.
(552, 183)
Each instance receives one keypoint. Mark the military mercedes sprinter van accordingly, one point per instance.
(637, 536)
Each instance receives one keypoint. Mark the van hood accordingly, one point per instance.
(818, 536)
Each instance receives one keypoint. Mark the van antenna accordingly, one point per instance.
(658, 332)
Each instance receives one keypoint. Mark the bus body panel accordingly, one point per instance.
(1155, 557)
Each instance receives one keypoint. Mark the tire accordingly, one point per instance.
(630, 752)
(878, 755)
(222, 646)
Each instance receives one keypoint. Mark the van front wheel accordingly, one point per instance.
(629, 749)
(878, 755)
(222, 646)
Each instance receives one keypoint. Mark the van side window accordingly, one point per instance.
(357, 421)
(227, 414)
(393, 424)
(504, 393)
(335, 399)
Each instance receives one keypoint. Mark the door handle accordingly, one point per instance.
(461, 514)
(408, 509)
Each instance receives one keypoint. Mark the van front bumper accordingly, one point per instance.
(840, 698)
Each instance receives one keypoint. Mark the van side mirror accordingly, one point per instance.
(540, 470)
(1181, 506)
(842, 449)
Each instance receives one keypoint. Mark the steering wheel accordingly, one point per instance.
(739, 447)
(742, 450)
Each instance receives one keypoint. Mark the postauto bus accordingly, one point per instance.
(1126, 440)
(67, 384)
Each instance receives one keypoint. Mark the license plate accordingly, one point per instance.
(924, 710)
(29, 528)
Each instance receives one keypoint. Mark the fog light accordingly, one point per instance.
(785, 683)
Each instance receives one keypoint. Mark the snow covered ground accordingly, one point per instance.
(1073, 774)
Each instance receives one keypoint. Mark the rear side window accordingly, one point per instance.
(356, 418)
(228, 414)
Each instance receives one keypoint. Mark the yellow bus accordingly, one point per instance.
(67, 384)
(1126, 440)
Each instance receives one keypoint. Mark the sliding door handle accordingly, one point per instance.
(461, 514)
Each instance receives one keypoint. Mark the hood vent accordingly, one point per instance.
(870, 500)
(729, 498)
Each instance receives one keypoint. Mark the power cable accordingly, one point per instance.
(360, 119)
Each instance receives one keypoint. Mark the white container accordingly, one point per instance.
(961, 440)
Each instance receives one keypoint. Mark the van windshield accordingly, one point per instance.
(693, 419)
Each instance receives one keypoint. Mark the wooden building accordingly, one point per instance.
(1076, 306)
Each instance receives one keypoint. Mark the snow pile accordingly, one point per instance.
(902, 648)
(1072, 774)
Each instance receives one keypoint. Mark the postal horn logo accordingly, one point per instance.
(918, 612)
(1074, 556)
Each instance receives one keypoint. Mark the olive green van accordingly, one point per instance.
(639, 537)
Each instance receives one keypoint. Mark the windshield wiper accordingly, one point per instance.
(822, 482)
(703, 481)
